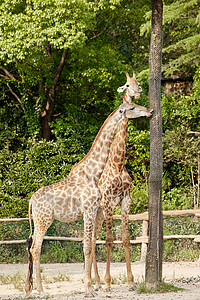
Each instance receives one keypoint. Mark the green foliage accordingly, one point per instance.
(172, 198)
(175, 250)
(181, 225)
(12, 128)
(139, 196)
(180, 117)
(56, 24)
(32, 41)
(138, 151)
(25, 171)
(177, 199)
(89, 97)
(62, 252)
(181, 35)
(180, 250)
(122, 28)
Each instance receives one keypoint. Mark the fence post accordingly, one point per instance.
(145, 225)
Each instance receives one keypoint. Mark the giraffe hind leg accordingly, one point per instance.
(40, 227)
(109, 244)
(125, 239)
(39, 233)
(29, 279)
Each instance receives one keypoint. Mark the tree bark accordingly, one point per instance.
(153, 273)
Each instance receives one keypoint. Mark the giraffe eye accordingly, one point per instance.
(127, 85)
(132, 108)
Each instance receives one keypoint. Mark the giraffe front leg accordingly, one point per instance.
(109, 243)
(125, 240)
(87, 248)
(97, 226)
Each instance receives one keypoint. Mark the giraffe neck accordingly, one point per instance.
(127, 97)
(118, 148)
(93, 163)
(117, 152)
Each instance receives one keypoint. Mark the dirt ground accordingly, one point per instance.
(181, 274)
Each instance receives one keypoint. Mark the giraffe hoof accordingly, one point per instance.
(90, 293)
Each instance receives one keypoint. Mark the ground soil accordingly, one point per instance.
(182, 274)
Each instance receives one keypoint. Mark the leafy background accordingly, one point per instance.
(103, 39)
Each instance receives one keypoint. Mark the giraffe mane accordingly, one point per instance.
(95, 140)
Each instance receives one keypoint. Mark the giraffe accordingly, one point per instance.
(75, 197)
(115, 184)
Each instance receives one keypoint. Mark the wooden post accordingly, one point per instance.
(145, 226)
(153, 272)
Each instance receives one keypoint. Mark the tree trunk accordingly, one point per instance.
(153, 272)
(45, 130)
(47, 114)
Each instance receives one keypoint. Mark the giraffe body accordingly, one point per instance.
(115, 184)
(77, 196)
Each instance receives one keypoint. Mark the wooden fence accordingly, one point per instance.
(143, 239)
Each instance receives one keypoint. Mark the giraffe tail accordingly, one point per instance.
(29, 279)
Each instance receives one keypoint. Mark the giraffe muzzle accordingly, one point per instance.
(137, 95)
(151, 112)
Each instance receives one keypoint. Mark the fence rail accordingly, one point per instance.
(139, 240)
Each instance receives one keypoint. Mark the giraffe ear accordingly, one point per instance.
(140, 88)
(121, 88)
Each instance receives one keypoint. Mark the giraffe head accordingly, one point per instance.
(133, 111)
(132, 87)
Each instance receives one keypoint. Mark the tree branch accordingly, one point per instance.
(10, 89)
(57, 75)
(194, 132)
(8, 74)
(98, 34)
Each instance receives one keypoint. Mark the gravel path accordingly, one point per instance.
(182, 274)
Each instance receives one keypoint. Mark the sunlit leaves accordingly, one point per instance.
(42, 24)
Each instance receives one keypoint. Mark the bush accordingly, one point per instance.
(139, 196)
(24, 172)
(173, 199)
(177, 199)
